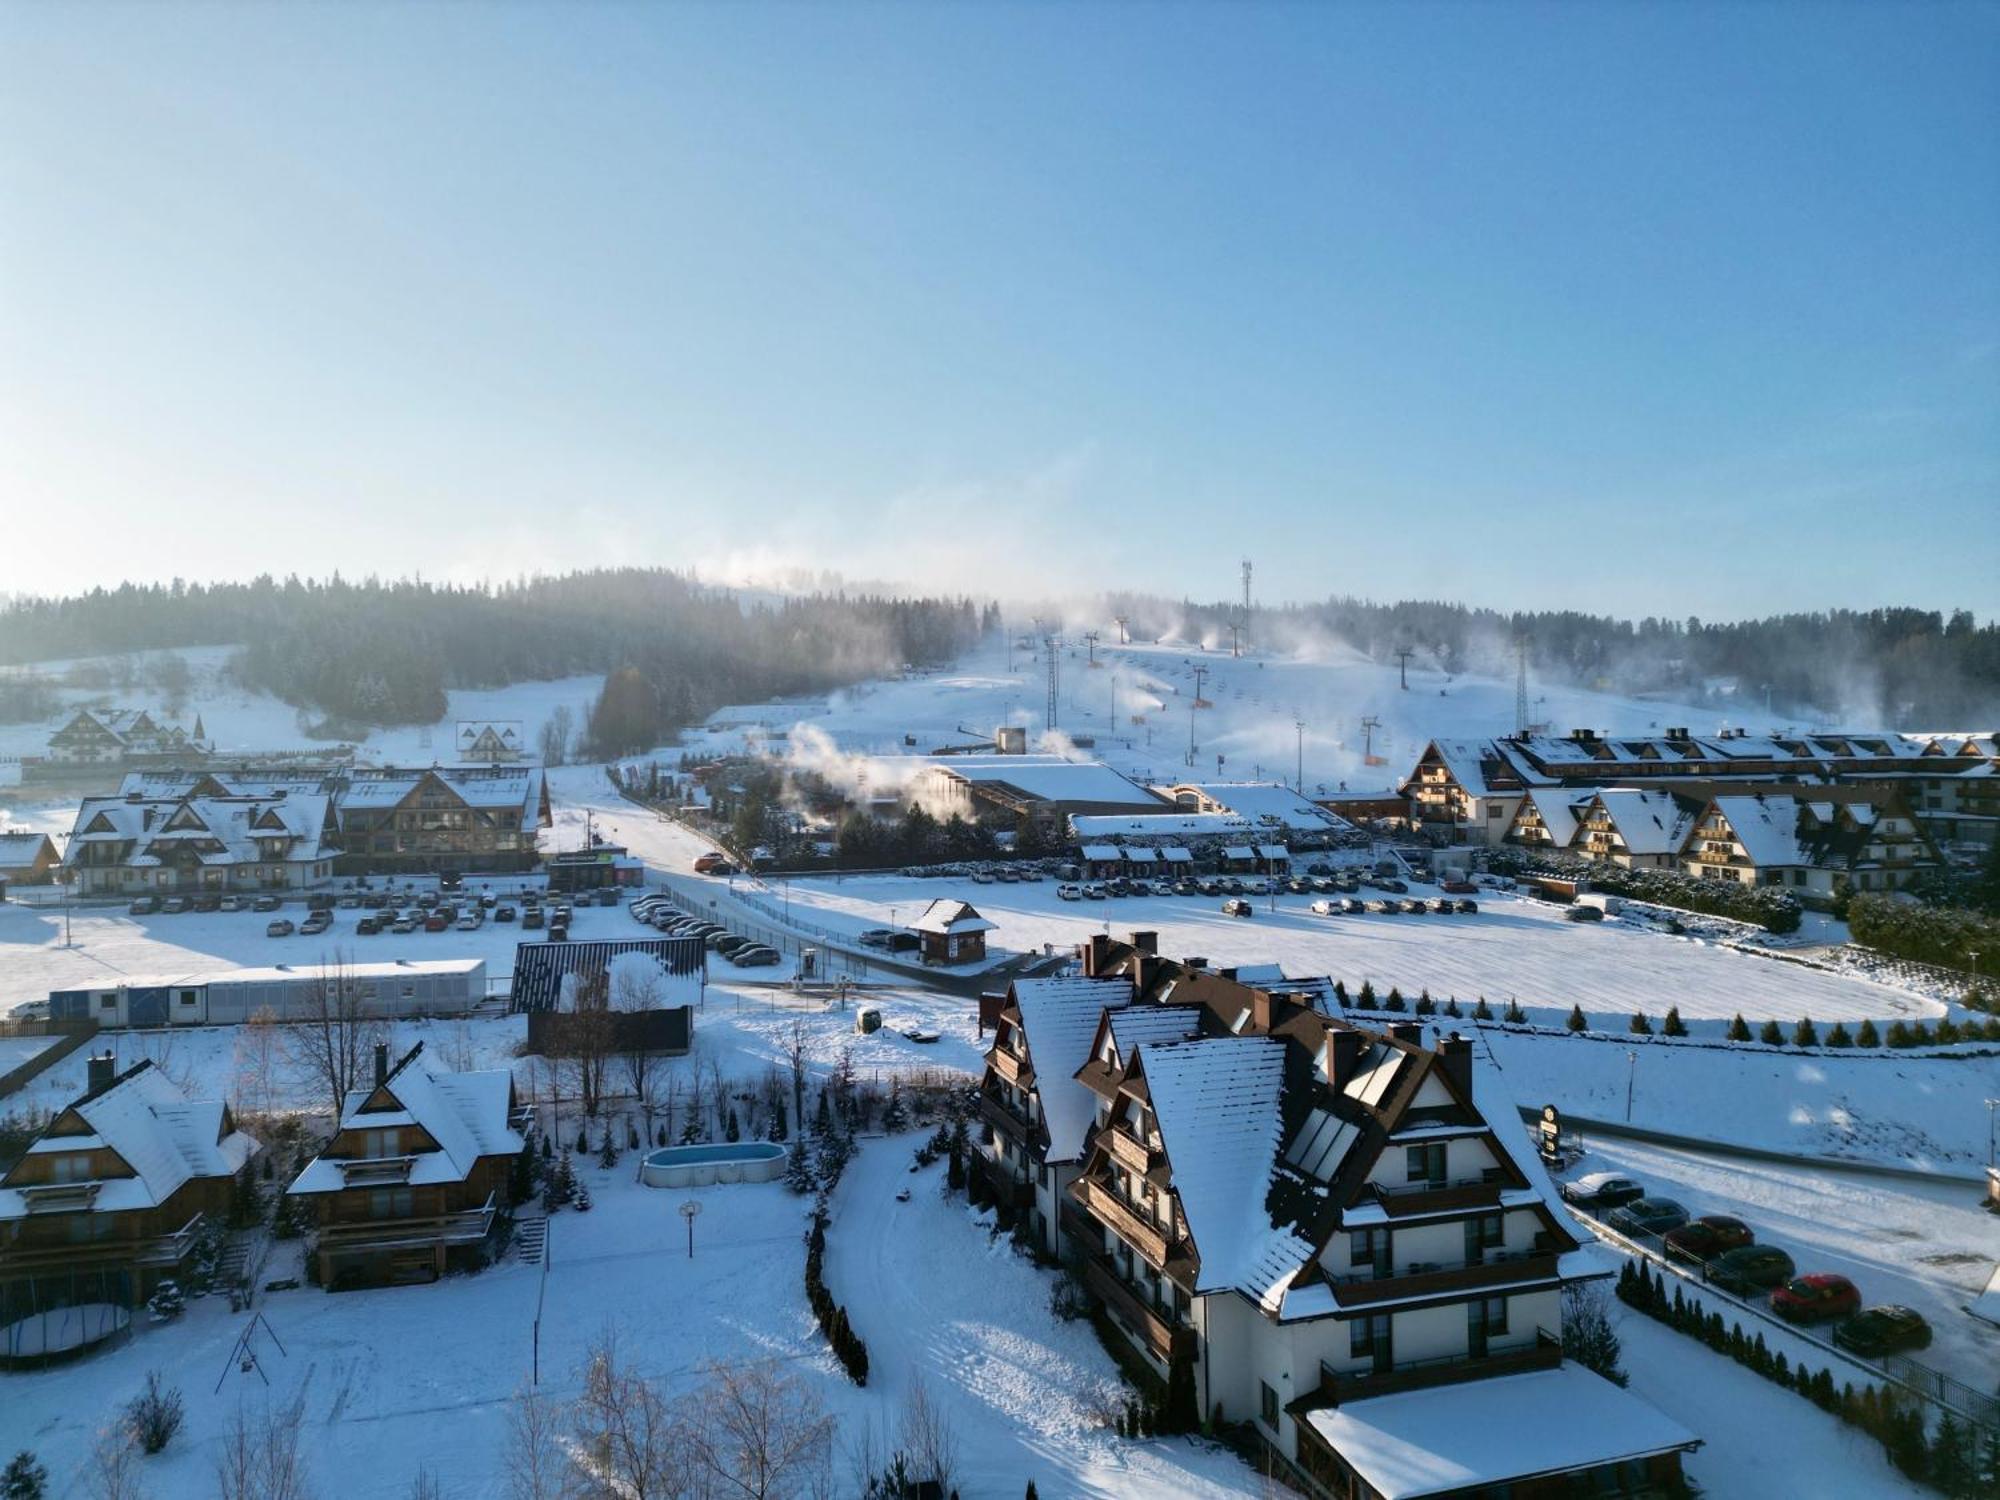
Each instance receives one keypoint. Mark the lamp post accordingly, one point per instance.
(1631, 1073)
(690, 1211)
(1991, 1106)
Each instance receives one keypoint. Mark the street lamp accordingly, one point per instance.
(1631, 1073)
(690, 1211)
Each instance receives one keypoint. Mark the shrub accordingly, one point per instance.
(154, 1415)
(1947, 1031)
(1899, 1034)
(1838, 1037)
(1639, 1025)
(1451, 1008)
(1764, 906)
(1771, 1034)
(1804, 1035)
(1739, 1030)
(1425, 1005)
(1673, 1025)
(1395, 1000)
(1867, 1036)
(1482, 1011)
(1947, 936)
(1514, 1015)
(1365, 997)
(1575, 1020)
(24, 1478)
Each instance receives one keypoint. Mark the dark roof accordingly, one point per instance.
(539, 967)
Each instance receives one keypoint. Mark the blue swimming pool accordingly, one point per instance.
(698, 1166)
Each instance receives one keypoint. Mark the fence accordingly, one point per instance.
(74, 1034)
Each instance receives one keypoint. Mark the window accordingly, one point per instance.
(1267, 1405)
(1369, 1336)
(1426, 1164)
(190, 997)
(107, 1002)
(390, 1203)
(1485, 1318)
(378, 1142)
(1487, 1232)
(1368, 1251)
(70, 1167)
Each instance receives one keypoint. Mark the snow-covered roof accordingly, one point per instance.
(1142, 855)
(465, 1113)
(1216, 1103)
(1048, 778)
(1649, 822)
(1135, 1026)
(947, 917)
(1471, 1435)
(165, 1137)
(1157, 825)
(1238, 851)
(1268, 804)
(1766, 827)
(1273, 852)
(1174, 854)
(274, 973)
(219, 830)
(1100, 851)
(1560, 809)
(1059, 1017)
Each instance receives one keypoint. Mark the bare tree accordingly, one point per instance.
(632, 1445)
(588, 1034)
(111, 1471)
(259, 1048)
(425, 1486)
(537, 1466)
(259, 1456)
(926, 1436)
(556, 734)
(334, 1043)
(759, 1434)
(795, 1058)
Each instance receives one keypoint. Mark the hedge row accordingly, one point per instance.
(1942, 935)
(1956, 1460)
(1764, 906)
(847, 1345)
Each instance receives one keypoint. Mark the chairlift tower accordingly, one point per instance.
(1199, 701)
(1246, 601)
(1123, 638)
(1403, 655)
(1090, 642)
(1049, 649)
(1368, 727)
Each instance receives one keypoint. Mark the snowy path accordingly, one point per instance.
(934, 1296)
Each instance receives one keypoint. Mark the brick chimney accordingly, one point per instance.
(1455, 1057)
(1096, 955)
(1408, 1031)
(1346, 1053)
(381, 1063)
(1146, 942)
(100, 1070)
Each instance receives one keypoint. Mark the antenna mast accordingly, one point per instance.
(1049, 645)
(1521, 684)
(1246, 602)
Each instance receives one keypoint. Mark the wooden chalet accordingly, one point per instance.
(951, 932)
(442, 819)
(111, 1197)
(417, 1172)
(27, 858)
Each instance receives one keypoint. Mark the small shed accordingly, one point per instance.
(1101, 861)
(951, 932)
(1276, 859)
(1239, 859)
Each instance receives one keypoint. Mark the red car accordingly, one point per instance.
(1815, 1298)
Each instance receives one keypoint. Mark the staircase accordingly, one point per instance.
(493, 1005)
(531, 1238)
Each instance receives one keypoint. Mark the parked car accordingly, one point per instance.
(1750, 1268)
(878, 937)
(756, 956)
(1092, 891)
(280, 928)
(1439, 905)
(1582, 914)
(1185, 887)
(504, 913)
(1707, 1237)
(558, 932)
(1814, 1298)
(174, 905)
(1647, 1216)
(207, 902)
(403, 924)
(368, 926)
(704, 863)
(145, 906)
(1236, 906)
(472, 921)
(1467, 906)
(232, 903)
(315, 924)
(532, 918)
(266, 903)
(1326, 908)
(1602, 1190)
(1458, 887)
(729, 942)
(1883, 1330)
(436, 921)
(1380, 908)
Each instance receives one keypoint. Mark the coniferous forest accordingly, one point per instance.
(385, 652)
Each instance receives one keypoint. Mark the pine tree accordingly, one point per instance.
(1771, 1034)
(1395, 1000)
(1514, 1015)
(731, 1129)
(1838, 1037)
(1674, 1025)
(1425, 1005)
(1365, 997)
(895, 1116)
(800, 1174)
(1639, 1025)
(1804, 1034)
(1031, 1495)
(1739, 1029)
(1482, 1011)
(1866, 1036)
(607, 1151)
(26, 1479)
(1451, 1008)
(1575, 1020)
(1899, 1034)
(1340, 994)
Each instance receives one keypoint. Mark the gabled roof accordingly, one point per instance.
(465, 1113)
(1059, 1019)
(1560, 810)
(222, 830)
(948, 917)
(1649, 822)
(166, 1139)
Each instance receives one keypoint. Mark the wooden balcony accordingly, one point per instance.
(1003, 1119)
(1126, 1151)
(153, 1250)
(1010, 1069)
(1516, 1357)
(1161, 1335)
(1123, 1220)
(1466, 1276)
(465, 1227)
(1424, 1198)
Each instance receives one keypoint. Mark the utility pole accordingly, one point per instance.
(1049, 645)
(1192, 706)
(1246, 597)
(1235, 640)
(1521, 685)
(1403, 655)
(1199, 673)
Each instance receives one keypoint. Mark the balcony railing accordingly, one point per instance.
(157, 1250)
(1421, 1278)
(1542, 1351)
(1154, 1325)
(1149, 1239)
(1007, 1121)
(1014, 1070)
(467, 1226)
(1127, 1152)
(1439, 1197)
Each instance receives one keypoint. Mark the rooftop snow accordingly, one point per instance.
(1060, 1017)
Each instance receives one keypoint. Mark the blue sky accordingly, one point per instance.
(1637, 308)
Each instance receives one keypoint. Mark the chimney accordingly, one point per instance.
(1269, 1011)
(1455, 1057)
(1408, 1031)
(1146, 942)
(381, 1063)
(1194, 964)
(1347, 1045)
(1096, 955)
(100, 1072)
